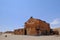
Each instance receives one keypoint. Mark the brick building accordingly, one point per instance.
(34, 27)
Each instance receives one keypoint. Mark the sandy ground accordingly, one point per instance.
(24, 37)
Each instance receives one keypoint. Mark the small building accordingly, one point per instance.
(36, 27)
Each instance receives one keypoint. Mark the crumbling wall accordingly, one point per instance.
(19, 31)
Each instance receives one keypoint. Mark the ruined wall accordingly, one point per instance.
(19, 31)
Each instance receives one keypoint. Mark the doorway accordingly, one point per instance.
(25, 32)
(38, 33)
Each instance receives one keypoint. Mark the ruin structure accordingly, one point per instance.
(34, 26)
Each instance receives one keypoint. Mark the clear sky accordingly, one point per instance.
(13, 13)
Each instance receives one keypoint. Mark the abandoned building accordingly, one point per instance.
(34, 26)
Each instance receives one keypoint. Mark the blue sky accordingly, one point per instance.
(13, 13)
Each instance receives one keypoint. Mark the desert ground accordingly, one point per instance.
(26, 37)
